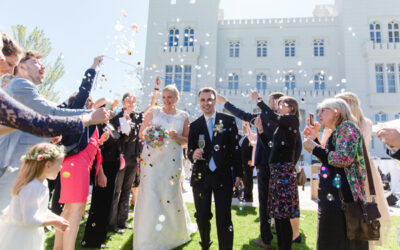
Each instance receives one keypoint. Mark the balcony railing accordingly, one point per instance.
(297, 93)
(195, 49)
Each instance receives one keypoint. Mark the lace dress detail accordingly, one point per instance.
(161, 220)
(16, 115)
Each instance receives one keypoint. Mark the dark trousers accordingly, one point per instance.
(263, 188)
(248, 181)
(123, 186)
(202, 194)
(100, 207)
(56, 207)
(284, 233)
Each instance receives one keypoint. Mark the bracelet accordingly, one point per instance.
(259, 99)
(156, 89)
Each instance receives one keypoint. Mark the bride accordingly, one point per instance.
(161, 220)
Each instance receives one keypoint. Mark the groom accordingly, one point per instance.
(212, 169)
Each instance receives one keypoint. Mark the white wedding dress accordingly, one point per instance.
(161, 220)
(20, 223)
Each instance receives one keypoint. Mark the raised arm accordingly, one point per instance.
(154, 98)
(242, 115)
(148, 118)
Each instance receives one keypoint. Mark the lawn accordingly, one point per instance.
(246, 229)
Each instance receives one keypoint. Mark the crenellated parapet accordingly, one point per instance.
(280, 21)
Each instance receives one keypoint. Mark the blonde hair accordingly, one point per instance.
(340, 107)
(172, 89)
(354, 104)
(32, 167)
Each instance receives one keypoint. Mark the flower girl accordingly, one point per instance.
(22, 221)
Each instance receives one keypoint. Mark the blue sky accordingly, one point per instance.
(81, 30)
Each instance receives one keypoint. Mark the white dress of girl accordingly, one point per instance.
(161, 220)
(20, 222)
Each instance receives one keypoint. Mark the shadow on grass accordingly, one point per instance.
(244, 210)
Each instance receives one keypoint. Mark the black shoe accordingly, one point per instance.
(205, 246)
(104, 246)
(247, 200)
(126, 226)
(298, 239)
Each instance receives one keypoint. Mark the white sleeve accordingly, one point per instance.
(29, 198)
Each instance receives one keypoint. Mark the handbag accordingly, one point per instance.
(301, 178)
(362, 219)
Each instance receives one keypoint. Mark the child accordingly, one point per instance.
(22, 222)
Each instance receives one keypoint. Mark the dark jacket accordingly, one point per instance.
(262, 154)
(132, 146)
(246, 150)
(223, 148)
(78, 142)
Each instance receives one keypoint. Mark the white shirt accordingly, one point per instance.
(208, 118)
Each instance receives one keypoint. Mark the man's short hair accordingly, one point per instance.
(207, 90)
(276, 95)
(28, 55)
(10, 47)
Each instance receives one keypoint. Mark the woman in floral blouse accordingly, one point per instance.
(343, 167)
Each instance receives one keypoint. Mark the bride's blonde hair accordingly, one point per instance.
(172, 88)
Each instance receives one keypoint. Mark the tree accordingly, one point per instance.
(38, 41)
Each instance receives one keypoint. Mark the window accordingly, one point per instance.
(380, 117)
(391, 79)
(319, 81)
(393, 28)
(233, 81)
(379, 78)
(187, 78)
(261, 81)
(173, 38)
(188, 40)
(397, 116)
(319, 49)
(290, 81)
(178, 76)
(234, 48)
(375, 32)
(290, 48)
(168, 74)
(262, 48)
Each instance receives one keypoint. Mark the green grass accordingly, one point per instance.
(246, 230)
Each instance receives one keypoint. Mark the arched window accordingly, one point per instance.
(290, 81)
(233, 81)
(234, 48)
(319, 49)
(375, 32)
(290, 48)
(261, 81)
(262, 48)
(188, 40)
(173, 38)
(393, 28)
(380, 117)
(319, 81)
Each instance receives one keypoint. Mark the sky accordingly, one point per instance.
(81, 30)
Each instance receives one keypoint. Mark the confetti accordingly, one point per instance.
(161, 218)
(66, 174)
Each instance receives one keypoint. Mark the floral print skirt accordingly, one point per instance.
(283, 198)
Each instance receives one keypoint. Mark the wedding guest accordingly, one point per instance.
(391, 137)
(246, 151)
(10, 54)
(22, 222)
(283, 199)
(340, 160)
(365, 126)
(29, 73)
(75, 174)
(261, 162)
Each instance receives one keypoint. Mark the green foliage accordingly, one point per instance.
(37, 40)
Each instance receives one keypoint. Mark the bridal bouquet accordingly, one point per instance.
(155, 136)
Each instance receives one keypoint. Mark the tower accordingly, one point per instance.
(180, 35)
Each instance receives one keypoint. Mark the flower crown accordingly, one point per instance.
(37, 156)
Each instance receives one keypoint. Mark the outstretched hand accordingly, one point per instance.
(221, 99)
(157, 83)
(254, 95)
(97, 61)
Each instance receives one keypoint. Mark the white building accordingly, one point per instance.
(353, 45)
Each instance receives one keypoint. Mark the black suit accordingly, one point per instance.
(261, 162)
(226, 154)
(247, 152)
